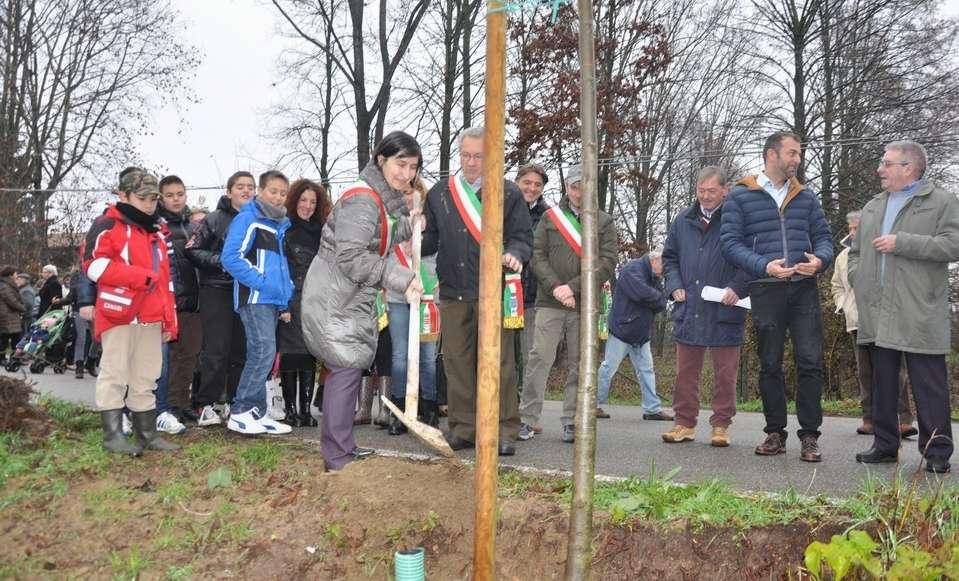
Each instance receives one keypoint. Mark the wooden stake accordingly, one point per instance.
(579, 552)
(490, 298)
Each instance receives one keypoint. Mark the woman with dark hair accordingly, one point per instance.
(308, 206)
(11, 311)
(339, 295)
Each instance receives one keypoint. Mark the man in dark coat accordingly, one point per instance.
(531, 179)
(637, 297)
(774, 229)
(452, 232)
(692, 260)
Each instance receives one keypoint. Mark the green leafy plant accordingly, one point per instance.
(219, 478)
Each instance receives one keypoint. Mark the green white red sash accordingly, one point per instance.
(471, 212)
(468, 205)
(429, 312)
(605, 303)
(569, 227)
(514, 314)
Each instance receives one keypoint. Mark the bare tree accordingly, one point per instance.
(347, 48)
(79, 77)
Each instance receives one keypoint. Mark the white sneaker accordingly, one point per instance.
(167, 422)
(126, 424)
(273, 427)
(208, 417)
(225, 412)
(245, 423)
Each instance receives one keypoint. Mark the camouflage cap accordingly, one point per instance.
(139, 182)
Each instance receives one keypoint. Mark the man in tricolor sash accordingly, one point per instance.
(557, 251)
(453, 231)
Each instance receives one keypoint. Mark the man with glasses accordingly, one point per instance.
(898, 267)
(453, 231)
(774, 229)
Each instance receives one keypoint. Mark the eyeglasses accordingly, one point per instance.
(471, 157)
(886, 163)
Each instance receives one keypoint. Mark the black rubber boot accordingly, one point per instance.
(113, 438)
(397, 427)
(430, 413)
(145, 428)
(306, 398)
(288, 386)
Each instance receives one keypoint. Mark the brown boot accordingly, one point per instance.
(907, 431)
(720, 437)
(866, 428)
(810, 449)
(774, 443)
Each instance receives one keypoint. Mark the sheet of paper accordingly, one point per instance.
(714, 294)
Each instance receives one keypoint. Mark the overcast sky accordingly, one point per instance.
(223, 132)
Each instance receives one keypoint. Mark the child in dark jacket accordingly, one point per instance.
(253, 254)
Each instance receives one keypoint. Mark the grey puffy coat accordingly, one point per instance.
(339, 294)
(909, 309)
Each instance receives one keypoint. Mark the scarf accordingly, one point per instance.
(148, 222)
(310, 228)
(270, 211)
(392, 199)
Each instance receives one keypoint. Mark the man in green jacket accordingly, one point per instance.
(898, 266)
(557, 247)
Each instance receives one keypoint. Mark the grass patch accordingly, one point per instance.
(129, 564)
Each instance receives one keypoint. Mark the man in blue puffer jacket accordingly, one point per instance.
(262, 289)
(774, 229)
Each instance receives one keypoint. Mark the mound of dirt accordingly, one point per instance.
(295, 521)
(17, 414)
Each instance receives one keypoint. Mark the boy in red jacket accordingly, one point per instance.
(126, 257)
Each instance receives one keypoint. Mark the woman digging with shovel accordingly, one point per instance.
(339, 294)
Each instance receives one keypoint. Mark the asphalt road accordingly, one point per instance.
(628, 445)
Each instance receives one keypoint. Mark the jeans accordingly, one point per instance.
(642, 358)
(163, 384)
(791, 306)
(259, 324)
(399, 327)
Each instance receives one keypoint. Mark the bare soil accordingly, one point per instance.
(295, 521)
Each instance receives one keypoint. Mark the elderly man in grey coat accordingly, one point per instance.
(898, 266)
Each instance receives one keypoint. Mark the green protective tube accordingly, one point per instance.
(410, 565)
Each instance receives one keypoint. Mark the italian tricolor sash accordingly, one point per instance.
(569, 227)
(605, 303)
(468, 206)
(471, 212)
(429, 313)
(386, 221)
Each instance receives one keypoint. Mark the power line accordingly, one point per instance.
(689, 155)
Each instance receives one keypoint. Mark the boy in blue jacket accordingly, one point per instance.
(262, 289)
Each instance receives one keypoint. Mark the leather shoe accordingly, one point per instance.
(659, 416)
(907, 431)
(602, 414)
(875, 456)
(809, 449)
(775, 443)
(506, 449)
(937, 466)
(458, 443)
(865, 429)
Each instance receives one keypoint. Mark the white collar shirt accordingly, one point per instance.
(777, 194)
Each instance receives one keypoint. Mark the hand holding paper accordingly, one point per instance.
(714, 294)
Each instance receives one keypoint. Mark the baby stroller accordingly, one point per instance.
(46, 342)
